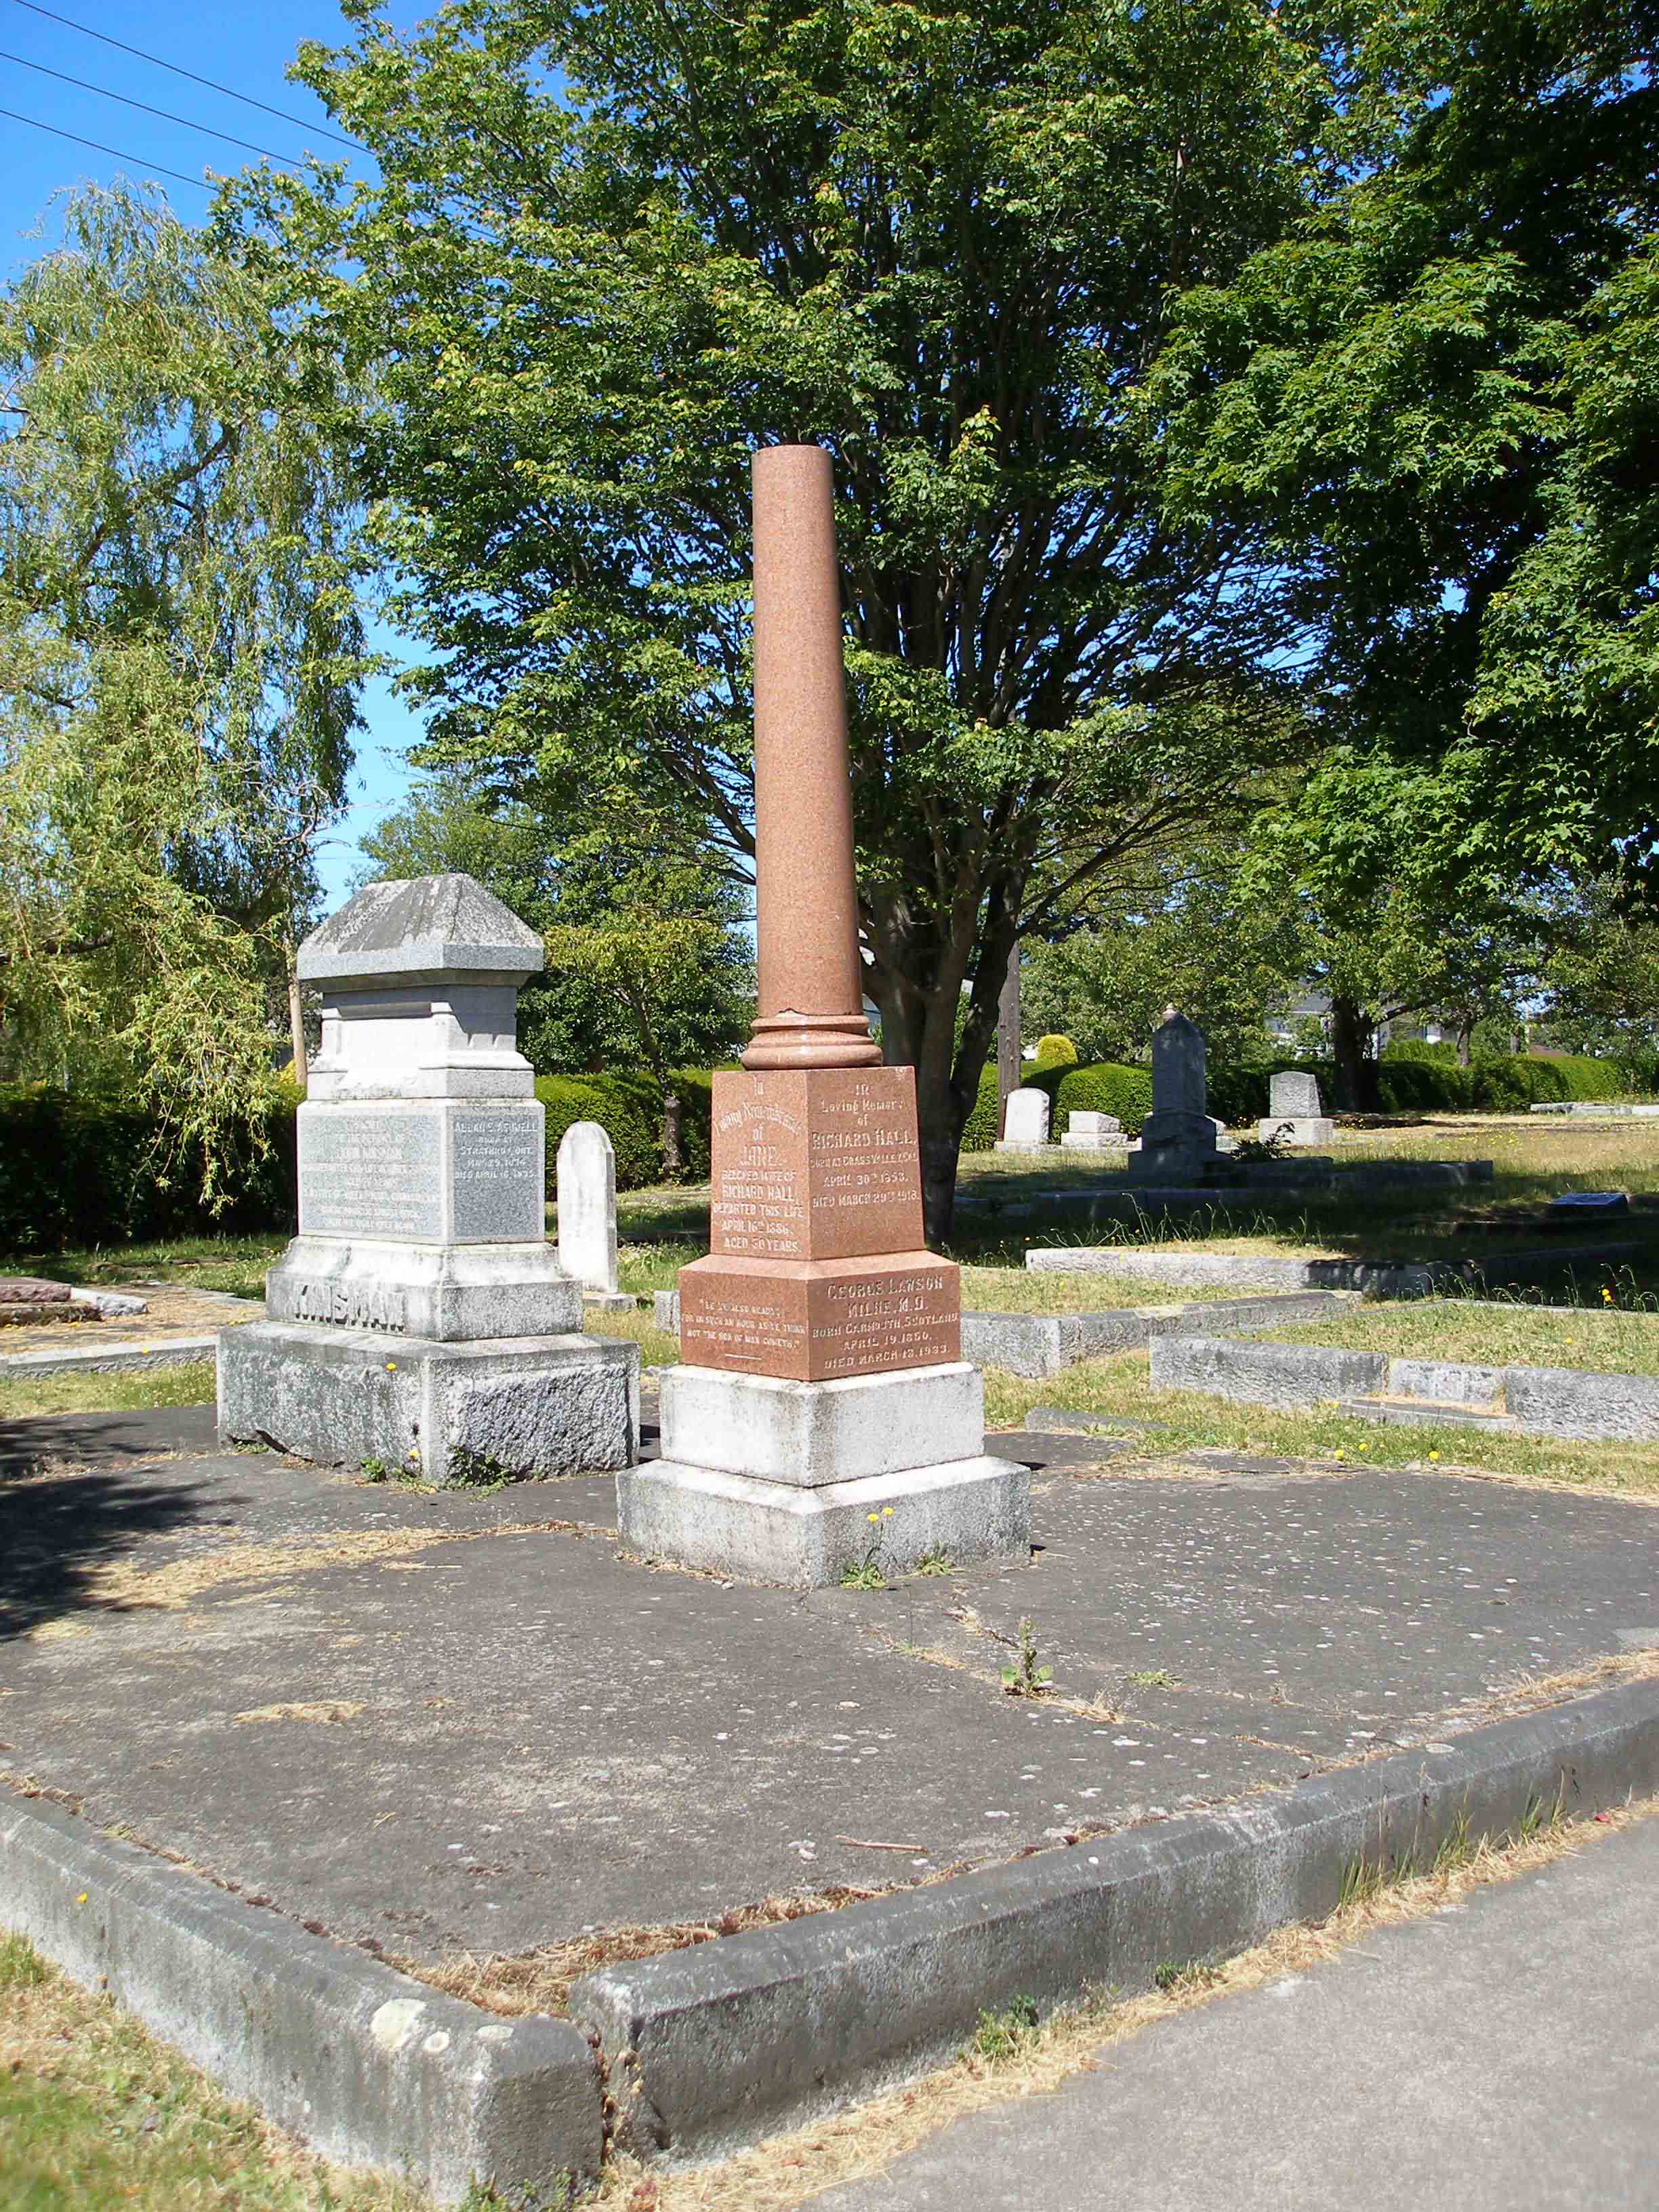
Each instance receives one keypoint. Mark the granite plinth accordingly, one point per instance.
(808, 1320)
(808, 1434)
(1172, 1141)
(1021, 1145)
(1092, 1126)
(428, 1171)
(1079, 1140)
(816, 1164)
(1290, 1130)
(450, 1412)
(454, 1293)
(969, 1510)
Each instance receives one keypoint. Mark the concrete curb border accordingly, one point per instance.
(1570, 1402)
(112, 1359)
(709, 2048)
(1375, 1278)
(368, 2066)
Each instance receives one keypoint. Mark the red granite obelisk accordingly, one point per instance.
(821, 1413)
(815, 1265)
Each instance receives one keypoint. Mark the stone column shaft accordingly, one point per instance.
(810, 1012)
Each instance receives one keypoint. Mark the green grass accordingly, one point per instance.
(94, 2112)
(236, 1264)
(1119, 1393)
(1019, 1290)
(1607, 1342)
(107, 1393)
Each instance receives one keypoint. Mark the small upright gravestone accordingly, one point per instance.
(1178, 1139)
(1088, 1131)
(1295, 1114)
(420, 1319)
(1025, 1127)
(587, 1215)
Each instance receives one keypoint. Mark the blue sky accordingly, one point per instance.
(246, 50)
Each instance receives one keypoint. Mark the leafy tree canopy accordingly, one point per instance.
(1439, 395)
(179, 655)
(613, 248)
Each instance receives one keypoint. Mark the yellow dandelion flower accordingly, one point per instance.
(392, 1367)
(82, 1898)
(887, 1512)
(872, 1517)
(1434, 1455)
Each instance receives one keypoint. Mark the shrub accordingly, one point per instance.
(1099, 1087)
(1407, 1085)
(628, 1109)
(80, 1168)
(1054, 1050)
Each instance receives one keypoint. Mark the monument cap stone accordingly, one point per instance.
(424, 928)
(1178, 1065)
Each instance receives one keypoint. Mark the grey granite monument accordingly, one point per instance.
(420, 1317)
(1295, 1114)
(1179, 1142)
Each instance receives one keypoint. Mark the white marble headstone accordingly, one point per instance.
(588, 1207)
(1027, 1119)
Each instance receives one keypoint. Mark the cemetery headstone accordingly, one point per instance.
(587, 1214)
(1296, 1115)
(1089, 1132)
(823, 1414)
(1178, 1139)
(1026, 1123)
(420, 1319)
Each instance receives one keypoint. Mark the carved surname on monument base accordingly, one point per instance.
(350, 1306)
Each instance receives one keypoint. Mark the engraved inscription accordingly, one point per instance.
(888, 1321)
(500, 1169)
(350, 1306)
(370, 1174)
(836, 1178)
(754, 1333)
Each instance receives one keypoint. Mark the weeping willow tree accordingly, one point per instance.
(181, 651)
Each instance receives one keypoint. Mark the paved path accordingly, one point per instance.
(1500, 2053)
(457, 1721)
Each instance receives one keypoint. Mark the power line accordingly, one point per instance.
(139, 54)
(137, 159)
(144, 106)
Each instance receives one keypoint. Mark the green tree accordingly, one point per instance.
(1197, 938)
(179, 656)
(942, 240)
(1439, 394)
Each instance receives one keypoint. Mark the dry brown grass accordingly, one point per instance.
(542, 1980)
(789, 2170)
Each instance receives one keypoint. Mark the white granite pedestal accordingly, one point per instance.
(1300, 1129)
(769, 1480)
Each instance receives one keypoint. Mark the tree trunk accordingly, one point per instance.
(673, 1156)
(1355, 1075)
(1463, 1036)
(1008, 1059)
(296, 1014)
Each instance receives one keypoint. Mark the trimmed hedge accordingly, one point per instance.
(78, 1168)
(628, 1108)
(1099, 1087)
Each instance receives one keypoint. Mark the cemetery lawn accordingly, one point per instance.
(95, 2112)
(1118, 1391)
(236, 1264)
(1490, 1334)
(142, 1388)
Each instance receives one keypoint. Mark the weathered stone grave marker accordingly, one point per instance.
(1179, 1142)
(587, 1214)
(1026, 1123)
(1088, 1131)
(823, 1413)
(420, 1317)
(1296, 1115)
